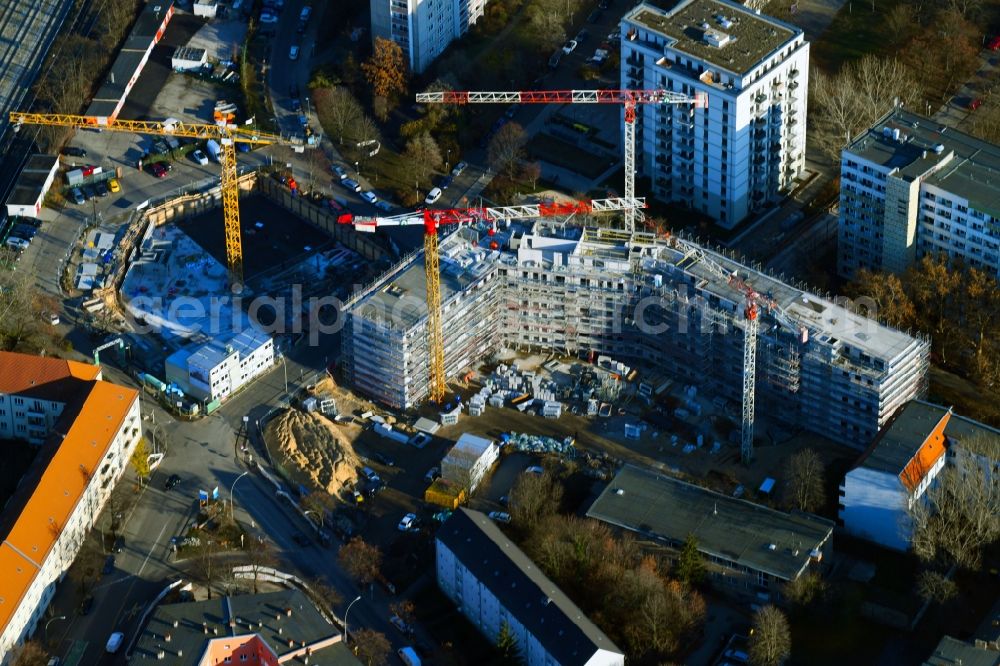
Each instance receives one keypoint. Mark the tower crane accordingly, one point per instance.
(227, 135)
(754, 304)
(628, 98)
(432, 220)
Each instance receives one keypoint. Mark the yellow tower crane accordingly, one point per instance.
(227, 136)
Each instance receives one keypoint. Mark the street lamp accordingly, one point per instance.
(346, 636)
(447, 160)
(232, 489)
(51, 620)
(358, 169)
(318, 513)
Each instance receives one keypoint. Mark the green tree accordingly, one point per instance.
(510, 652)
(691, 564)
(140, 460)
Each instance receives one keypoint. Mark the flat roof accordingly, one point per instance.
(255, 615)
(747, 534)
(113, 88)
(472, 444)
(942, 156)
(752, 37)
(953, 652)
(900, 439)
(521, 588)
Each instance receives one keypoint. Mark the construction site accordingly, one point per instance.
(658, 309)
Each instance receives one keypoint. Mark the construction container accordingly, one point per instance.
(445, 494)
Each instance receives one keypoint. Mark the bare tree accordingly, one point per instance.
(362, 561)
(935, 586)
(323, 594)
(371, 647)
(960, 517)
(207, 567)
(771, 640)
(338, 111)
(405, 610)
(533, 497)
(805, 480)
(506, 149)
(259, 555)
(423, 156)
(32, 653)
(547, 22)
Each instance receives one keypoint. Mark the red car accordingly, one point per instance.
(975, 104)
(994, 43)
(158, 170)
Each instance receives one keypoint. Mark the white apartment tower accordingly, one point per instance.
(747, 147)
(910, 187)
(423, 28)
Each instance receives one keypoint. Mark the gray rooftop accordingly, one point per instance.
(527, 594)
(944, 156)
(953, 652)
(269, 610)
(902, 437)
(30, 181)
(741, 532)
(752, 36)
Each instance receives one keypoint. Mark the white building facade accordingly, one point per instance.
(49, 516)
(494, 584)
(911, 188)
(468, 462)
(747, 148)
(423, 28)
(217, 369)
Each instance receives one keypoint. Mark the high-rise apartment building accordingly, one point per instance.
(664, 306)
(747, 147)
(910, 187)
(423, 28)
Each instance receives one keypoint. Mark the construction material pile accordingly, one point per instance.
(540, 444)
(315, 447)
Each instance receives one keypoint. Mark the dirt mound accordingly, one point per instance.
(316, 448)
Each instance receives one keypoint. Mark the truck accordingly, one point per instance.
(214, 149)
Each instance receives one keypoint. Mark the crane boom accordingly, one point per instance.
(227, 135)
(628, 98)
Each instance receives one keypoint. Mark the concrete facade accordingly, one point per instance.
(656, 303)
(747, 148)
(218, 368)
(911, 188)
(423, 28)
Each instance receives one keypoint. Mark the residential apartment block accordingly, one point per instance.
(662, 305)
(747, 148)
(89, 428)
(901, 465)
(910, 187)
(493, 583)
(214, 370)
(423, 28)
(751, 550)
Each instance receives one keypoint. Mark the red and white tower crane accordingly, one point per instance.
(431, 220)
(628, 98)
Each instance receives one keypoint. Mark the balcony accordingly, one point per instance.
(793, 74)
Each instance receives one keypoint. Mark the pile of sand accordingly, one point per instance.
(317, 447)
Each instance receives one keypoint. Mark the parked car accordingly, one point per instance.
(73, 151)
(994, 43)
(432, 474)
(384, 459)
(19, 244)
(158, 170)
(594, 17)
(458, 169)
(114, 642)
(400, 624)
(499, 516)
(369, 197)
(408, 523)
(737, 656)
(268, 17)
(581, 36)
(433, 196)
(77, 196)
(340, 171)
(445, 182)
(370, 474)
(305, 13)
(199, 157)
(351, 184)
(109, 565)
(88, 192)
(101, 188)
(119, 545)
(975, 104)
(535, 469)
(569, 47)
(52, 318)
(293, 52)
(114, 186)
(171, 482)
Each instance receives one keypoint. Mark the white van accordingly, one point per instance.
(409, 656)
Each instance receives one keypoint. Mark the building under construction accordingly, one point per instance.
(663, 304)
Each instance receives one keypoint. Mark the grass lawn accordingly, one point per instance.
(856, 31)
